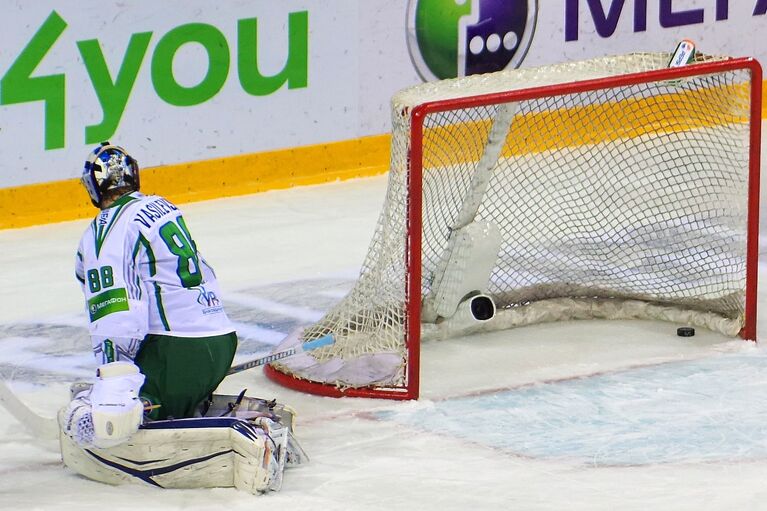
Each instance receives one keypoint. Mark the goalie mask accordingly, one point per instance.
(109, 167)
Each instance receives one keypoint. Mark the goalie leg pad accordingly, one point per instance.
(188, 453)
(245, 407)
(258, 465)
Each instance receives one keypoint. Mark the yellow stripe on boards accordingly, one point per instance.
(43, 203)
(559, 128)
(58, 201)
(628, 119)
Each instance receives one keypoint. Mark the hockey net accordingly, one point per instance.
(620, 189)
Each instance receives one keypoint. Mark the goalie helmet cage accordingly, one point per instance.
(623, 189)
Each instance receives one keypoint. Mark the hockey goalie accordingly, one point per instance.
(159, 331)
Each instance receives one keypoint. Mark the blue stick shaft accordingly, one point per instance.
(325, 340)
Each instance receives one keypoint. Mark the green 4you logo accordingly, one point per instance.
(450, 38)
(20, 86)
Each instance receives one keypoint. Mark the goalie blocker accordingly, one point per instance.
(240, 441)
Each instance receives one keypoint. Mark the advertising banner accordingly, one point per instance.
(173, 81)
(184, 81)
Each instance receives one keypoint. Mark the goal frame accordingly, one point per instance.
(411, 388)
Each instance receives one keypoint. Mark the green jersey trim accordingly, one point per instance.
(108, 347)
(142, 241)
(101, 232)
(160, 308)
(122, 201)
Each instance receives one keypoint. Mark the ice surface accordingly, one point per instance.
(580, 415)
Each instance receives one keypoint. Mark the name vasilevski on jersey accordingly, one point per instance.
(153, 211)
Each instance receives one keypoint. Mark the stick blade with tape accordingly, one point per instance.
(325, 340)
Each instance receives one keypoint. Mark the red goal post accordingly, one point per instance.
(673, 131)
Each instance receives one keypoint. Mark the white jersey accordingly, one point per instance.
(141, 274)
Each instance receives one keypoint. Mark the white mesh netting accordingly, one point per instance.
(629, 201)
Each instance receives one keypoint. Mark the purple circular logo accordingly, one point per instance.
(451, 38)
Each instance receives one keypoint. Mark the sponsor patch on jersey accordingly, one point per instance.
(210, 303)
(108, 302)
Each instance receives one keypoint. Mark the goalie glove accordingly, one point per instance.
(110, 412)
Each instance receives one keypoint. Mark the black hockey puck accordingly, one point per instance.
(685, 331)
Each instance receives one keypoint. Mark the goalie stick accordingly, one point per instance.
(46, 428)
(303, 347)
